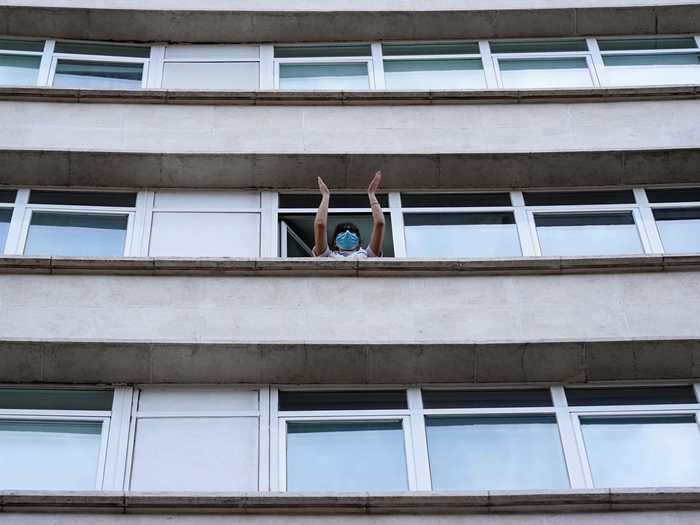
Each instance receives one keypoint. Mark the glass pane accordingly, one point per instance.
(49, 455)
(22, 45)
(495, 453)
(8, 196)
(79, 48)
(486, 398)
(346, 457)
(564, 198)
(430, 200)
(84, 198)
(652, 451)
(338, 200)
(674, 195)
(631, 44)
(692, 59)
(76, 234)
(18, 70)
(434, 74)
(350, 50)
(679, 229)
(545, 72)
(360, 400)
(436, 48)
(461, 235)
(539, 46)
(588, 234)
(97, 75)
(324, 76)
(644, 395)
(55, 399)
(5, 218)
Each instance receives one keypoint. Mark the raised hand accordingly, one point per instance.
(323, 188)
(374, 185)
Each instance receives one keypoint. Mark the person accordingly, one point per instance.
(347, 240)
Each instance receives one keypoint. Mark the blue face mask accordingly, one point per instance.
(347, 241)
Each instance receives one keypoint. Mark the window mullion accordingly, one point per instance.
(155, 67)
(397, 225)
(597, 60)
(45, 65)
(419, 439)
(522, 222)
(267, 67)
(13, 242)
(488, 64)
(378, 66)
(269, 224)
(647, 221)
(567, 433)
(118, 439)
(264, 440)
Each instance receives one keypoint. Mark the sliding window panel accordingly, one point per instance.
(496, 453)
(201, 234)
(19, 70)
(5, 218)
(434, 74)
(588, 234)
(545, 73)
(98, 75)
(679, 229)
(346, 456)
(49, 455)
(652, 69)
(643, 451)
(76, 234)
(461, 235)
(211, 75)
(335, 76)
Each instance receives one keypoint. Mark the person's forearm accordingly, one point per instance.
(375, 243)
(377, 214)
(320, 225)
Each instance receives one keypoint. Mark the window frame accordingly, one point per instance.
(105, 59)
(40, 54)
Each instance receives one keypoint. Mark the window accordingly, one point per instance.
(679, 229)
(433, 66)
(5, 218)
(224, 67)
(99, 66)
(53, 439)
(342, 67)
(543, 64)
(344, 441)
(78, 223)
(650, 61)
(20, 61)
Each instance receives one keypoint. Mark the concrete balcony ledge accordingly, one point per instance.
(348, 98)
(420, 503)
(358, 268)
(214, 21)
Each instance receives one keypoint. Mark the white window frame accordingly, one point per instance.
(99, 59)
(647, 212)
(40, 54)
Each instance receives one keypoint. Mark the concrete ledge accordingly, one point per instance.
(421, 503)
(95, 362)
(360, 268)
(269, 22)
(291, 171)
(348, 98)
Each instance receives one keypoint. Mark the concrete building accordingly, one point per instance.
(526, 352)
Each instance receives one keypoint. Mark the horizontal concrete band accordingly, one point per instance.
(354, 503)
(348, 268)
(262, 24)
(287, 171)
(348, 98)
(71, 362)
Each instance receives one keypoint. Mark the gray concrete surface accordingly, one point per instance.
(317, 20)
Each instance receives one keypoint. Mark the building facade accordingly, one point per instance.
(527, 350)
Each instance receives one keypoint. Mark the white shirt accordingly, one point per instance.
(356, 254)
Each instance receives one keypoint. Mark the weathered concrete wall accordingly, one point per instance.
(357, 129)
(379, 309)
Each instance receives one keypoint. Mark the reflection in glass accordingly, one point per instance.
(549, 45)
(499, 453)
(669, 59)
(341, 50)
(588, 234)
(5, 217)
(76, 234)
(346, 456)
(49, 455)
(679, 229)
(461, 235)
(434, 74)
(17, 70)
(545, 73)
(653, 451)
(433, 48)
(324, 76)
(631, 44)
(97, 75)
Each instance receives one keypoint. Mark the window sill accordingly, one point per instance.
(355, 503)
(347, 98)
(358, 268)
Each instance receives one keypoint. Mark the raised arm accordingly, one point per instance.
(377, 239)
(321, 220)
